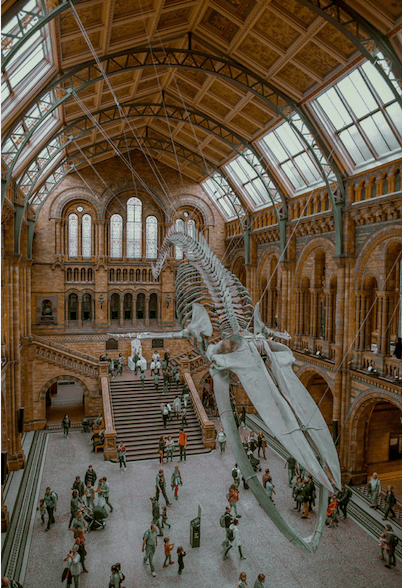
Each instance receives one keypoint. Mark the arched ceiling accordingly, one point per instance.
(294, 48)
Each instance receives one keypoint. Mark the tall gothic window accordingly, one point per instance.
(180, 227)
(151, 235)
(116, 236)
(73, 235)
(86, 235)
(134, 228)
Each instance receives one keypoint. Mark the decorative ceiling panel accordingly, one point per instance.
(316, 59)
(295, 77)
(276, 29)
(258, 51)
(219, 25)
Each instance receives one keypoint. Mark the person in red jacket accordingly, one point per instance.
(234, 499)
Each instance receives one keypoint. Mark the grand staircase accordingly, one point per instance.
(138, 420)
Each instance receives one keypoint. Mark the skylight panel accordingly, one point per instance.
(335, 109)
(27, 66)
(380, 85)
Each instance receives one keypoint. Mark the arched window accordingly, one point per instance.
(179, 227)
(134, 228)
(73, 235)
(116, 236)
(151, 234)
(86, 307)
(86, 235)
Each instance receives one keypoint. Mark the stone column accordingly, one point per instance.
(80, 311)
(146, 311)
(58, 236)
(251, 273)
(298, 311)
(109, 311)
(313, 313)
(383, 328)
(121, 310)
(134, 318)
(102, 238)
(66, 312)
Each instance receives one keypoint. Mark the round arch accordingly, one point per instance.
(321, 389)
(391, 233)
(74, 402)
(358, 428)
(324, 243)
(67, 196)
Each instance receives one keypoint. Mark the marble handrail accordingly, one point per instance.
(207, 426)
(109, 449)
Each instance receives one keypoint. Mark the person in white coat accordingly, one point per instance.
(177, 406)
(73, 560)
(374, 487)
(234, 539)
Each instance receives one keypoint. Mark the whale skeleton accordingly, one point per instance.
(208, 298)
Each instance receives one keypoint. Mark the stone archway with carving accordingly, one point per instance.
(354, 432)
(67, 196)
(77, 381)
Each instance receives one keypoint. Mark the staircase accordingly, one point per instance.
(138, 420)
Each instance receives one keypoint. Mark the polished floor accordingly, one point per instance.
(347, 556)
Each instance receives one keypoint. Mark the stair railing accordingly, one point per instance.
(109, 448)
(363, 491)
(207, 426)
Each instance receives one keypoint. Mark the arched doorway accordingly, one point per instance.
(65, 396)
(377, 440)
(115, 307)
(141, 306)
(321, 394)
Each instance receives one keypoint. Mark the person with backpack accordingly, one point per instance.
(234, 539)
(390, 501)
(233, 498)
(236, 475)
(225, 521)
(156, 515)
(344, 497)
(75, 505)
(392, 541)
(66, 423)
(50, 499)
(122, 577)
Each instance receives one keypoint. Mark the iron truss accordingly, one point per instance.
(83, 125)
(84, 75)
(28, 23)
(371, 43)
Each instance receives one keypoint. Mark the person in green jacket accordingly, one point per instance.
(142, 378)
(390, 501)
(156, 381)
(65, 423)
(260, 581)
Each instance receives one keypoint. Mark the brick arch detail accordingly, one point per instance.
(80, 383)
(238, 256)
(391, 232)
(195, 202)
(268, 252)
(303, 372)
(124, 186)
(316, 243)
(66, 197)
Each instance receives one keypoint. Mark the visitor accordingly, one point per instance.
(168, 549)
(175, 480)
(166, 356)
(233, 498)
(89, 495)
(80, 542)
(184, 416)
(161, 449)
(149, 544)
(66, 423)
(50, 500)
(305, 492)
(185, 396)
(390, 502)
(260, 581)
(297, 493)
(265, 477)
(122, 577)
(242, 583)
(90, 476)
(312, 492)
(165, 387)
(79, 485)
(157, 367)
(236, 475)
(177, 379)
(222, 440)
(180, 556)
(236, 418)
(74, 565)
(156, 382)
(42, 509)
(165, 414)
(391, 541)
(382, 545)
(269, 488)
(225, 521)
(101, 501)
(165, 517)
(177, 406)
(234, 539)
(182, 445)
(261, 443)
(252, 442)
(374, 488)
(75, 505)
(291, 464)
(121, 456)
(78, 523)
(332, 519)
(344, 497)
(142, 378)
(8, 583)
(114, 580)
(152, 367)
(160, 485)
(169, 407)
(170, 447)
(98, 440)
(105, 490)
(156, 515)
(243, 417)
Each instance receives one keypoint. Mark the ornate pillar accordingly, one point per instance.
(298, 311)
(66, 312)
(146, 312)
(384, 328)
(80, 311)
(102, 238)
(58, 236)
(93, 306)
(327, 314)
(313, 313)
(109, 311)
(121, 310)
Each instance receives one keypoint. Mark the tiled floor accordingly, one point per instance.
(347, 556)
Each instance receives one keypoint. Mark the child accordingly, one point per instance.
(89, 495)
(180, 555)
(165, 517)
(331, 513)
(168, 549)
(383, 545)
(42, 510)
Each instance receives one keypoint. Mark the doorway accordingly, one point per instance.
(64, 397)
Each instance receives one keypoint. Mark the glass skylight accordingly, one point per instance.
(362, 112)
(219, 197)
(245, 176)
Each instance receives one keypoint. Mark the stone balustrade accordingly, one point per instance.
(207, 426)
(67, 359)
(109, 449)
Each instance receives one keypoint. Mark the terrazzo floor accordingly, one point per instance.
(347, 556)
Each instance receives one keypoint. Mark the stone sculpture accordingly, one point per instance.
(209, 298)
